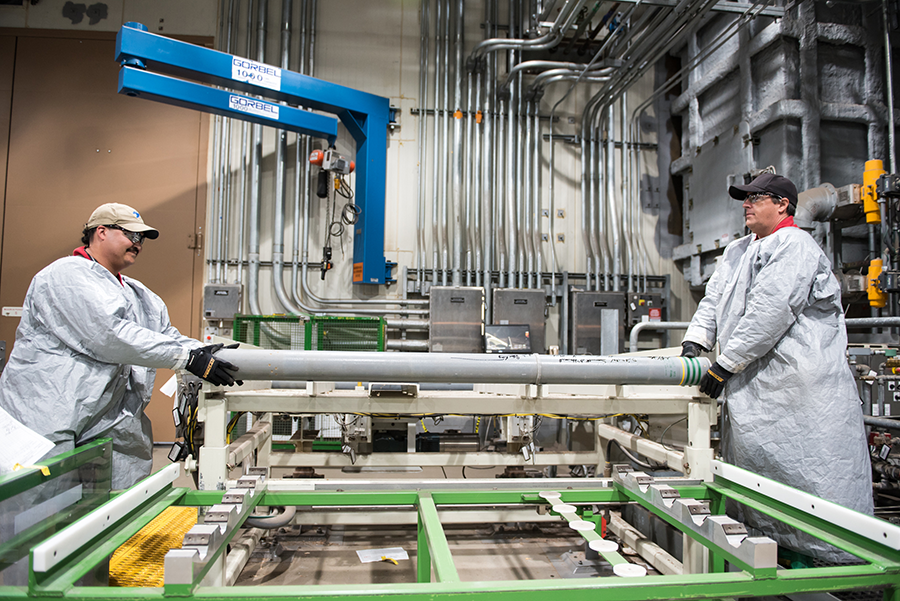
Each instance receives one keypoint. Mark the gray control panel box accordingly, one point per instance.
(221, 301)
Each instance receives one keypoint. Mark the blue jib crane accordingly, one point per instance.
(148, 60)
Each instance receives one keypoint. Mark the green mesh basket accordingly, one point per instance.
(329, 333)
(277, 332)
(314, 333)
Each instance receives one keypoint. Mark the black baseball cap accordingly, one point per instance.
(768, 183)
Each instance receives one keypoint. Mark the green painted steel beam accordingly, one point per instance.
(832, 534)
(20, 481)
(63, 577)
(423, 555)
(436, 541)
(649, 588)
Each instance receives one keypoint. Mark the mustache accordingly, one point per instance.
(134, 248)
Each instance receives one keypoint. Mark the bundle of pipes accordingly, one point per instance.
(471, 368)
(299, 298)
(485, 174)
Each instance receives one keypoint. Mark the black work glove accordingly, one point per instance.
(202, 364)
(691, 349)
(713, 381)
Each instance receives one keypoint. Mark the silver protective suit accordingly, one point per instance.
(792, 412)
(85, 358)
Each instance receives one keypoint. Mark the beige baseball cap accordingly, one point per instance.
(113, 213)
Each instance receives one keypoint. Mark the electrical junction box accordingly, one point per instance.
(456, 320)
(221, 301)
(517, 306)
(597, 323)
(645, 307)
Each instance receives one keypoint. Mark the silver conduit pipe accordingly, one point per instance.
(301, 162)
(602, 278)
(423, 121)
(471, 368)
(477, 197)
(407, 346)
(255, 159)
(488, 167)
(512, 222)
(407, 324)
(536, 188)
(557, 67)
(653, 325)
(280, 177)
(224, 217)
(469, 165)
(564, 20)
(331, 306)
(435, 155)
(458, 223)
(214, 264)
(527, 199)
(554, 75)
(301, 167)
(627, 205)
(503, 225)
(588, 214)
(592, 227)
(609, 205)
(242, 185)
(889, 86)
(445, 155)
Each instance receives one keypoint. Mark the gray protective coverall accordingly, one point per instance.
(85, 360)
(792, 408)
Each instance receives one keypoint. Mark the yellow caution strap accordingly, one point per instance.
(44, 469)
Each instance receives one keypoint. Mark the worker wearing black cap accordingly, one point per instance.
(792, 411)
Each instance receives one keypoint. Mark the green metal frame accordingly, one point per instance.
(437, 577)
(15, 483)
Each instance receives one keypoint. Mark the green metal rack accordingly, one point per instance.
(437, 577)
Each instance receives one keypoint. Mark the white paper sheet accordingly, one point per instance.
(20, 444)
(373, 555)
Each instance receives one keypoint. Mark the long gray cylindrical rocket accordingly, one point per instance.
(472, 368)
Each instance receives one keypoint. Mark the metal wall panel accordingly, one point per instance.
(456, 320)
(525, 307)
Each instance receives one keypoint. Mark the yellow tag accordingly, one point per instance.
(390, 559)
(44, 469)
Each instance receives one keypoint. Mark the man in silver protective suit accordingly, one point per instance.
(89, 343)
(792, 412)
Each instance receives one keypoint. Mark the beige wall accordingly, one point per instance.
(73, 143)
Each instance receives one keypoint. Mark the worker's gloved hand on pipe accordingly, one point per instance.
(713, 381)
(691, 349)
(202, 364)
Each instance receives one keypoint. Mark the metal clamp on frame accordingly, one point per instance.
(720, 533)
